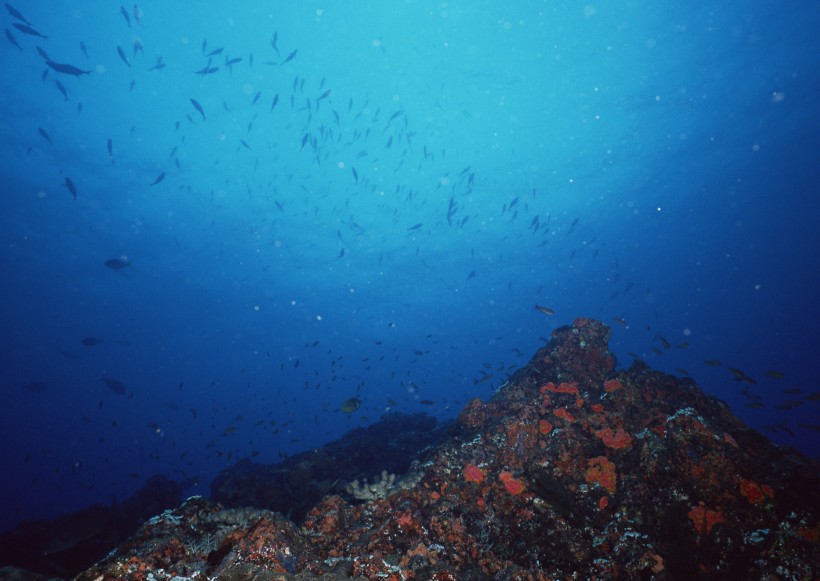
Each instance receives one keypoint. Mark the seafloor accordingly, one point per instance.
(572, 470)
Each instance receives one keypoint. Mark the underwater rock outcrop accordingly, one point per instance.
(68, 544)
(573, 469)
(295, 485)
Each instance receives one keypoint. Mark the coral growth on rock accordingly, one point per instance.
(573, 469)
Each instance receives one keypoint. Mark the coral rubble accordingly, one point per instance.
(573, 469)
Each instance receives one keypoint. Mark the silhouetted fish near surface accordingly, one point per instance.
(290, 57)
(158, 179)
(91, 341)
(16, 13)
(115, 385)
(125, 15)
(117, 263)
(67, 69)
(45, 135)
(25, 29)
(273, 40)
(62, 89)
(71, 187)
(207, 71)
(545, 310)
(122, 55)
(198, 107)
(13, 40)
(36, 386)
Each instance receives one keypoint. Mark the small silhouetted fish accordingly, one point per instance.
(25, 29)
(545, 310)
(350, 405)
(16, 13)
(159, 65)
(291, 56)
(713, 362)
(66, 69)
(61, 88)
(273, 41)
(415, 226)
(36, 386)
(43, 53)
(117, 263)
(84, 49)
(13, 40)
(198, 107)
(91, 341)
(125, 15)
(158, 179)
(427, 402)
(775, 374)
(115, 385)
(207, 71)
(471, 275)
(122, 55)
(71, 188)
(45, 135)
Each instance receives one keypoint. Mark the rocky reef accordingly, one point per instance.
(574, 469)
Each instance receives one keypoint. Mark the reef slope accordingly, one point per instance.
(573, 469)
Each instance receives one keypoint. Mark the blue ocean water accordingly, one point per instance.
(248, 218)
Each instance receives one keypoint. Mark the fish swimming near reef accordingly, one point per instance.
(350, 405)
(545, 310)
(117, 263)
(115, 385)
